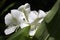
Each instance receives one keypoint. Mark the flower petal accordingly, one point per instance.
(22, 18)
(10, 30)
(15, 13)
(25, 6)
(32, 16)
(8, 19)
(18, 15)
(32, 32)
(42, 14)
(25, 9)
(22, 25)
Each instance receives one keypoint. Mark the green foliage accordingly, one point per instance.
(7, 8)
(52, 12)
(20, 34)
(42, 33)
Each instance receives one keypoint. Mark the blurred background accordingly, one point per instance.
(44, 5)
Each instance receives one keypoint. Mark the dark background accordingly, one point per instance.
(44, 5)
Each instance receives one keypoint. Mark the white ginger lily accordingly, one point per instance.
(23, 17)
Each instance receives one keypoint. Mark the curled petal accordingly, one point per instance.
(42, 14)
(10, 30)
(25, 7)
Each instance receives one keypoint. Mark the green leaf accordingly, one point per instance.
(51, 38)
(52, 12)
(2, 37)
(7, 8)
(54, 25)
(42, 33)
(20, 34)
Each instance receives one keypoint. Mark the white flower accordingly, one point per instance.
(13, 20)
(23, 17)
(35, 18)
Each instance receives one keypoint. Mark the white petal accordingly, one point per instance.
(22, 25)
(18, 15)
(25, 6)
(42, 14)
(32, 32)
(22, 18)
(25, 9)
(10, 30)
(8, 19)
(32, 16)
(21, 8)
(15, 13)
